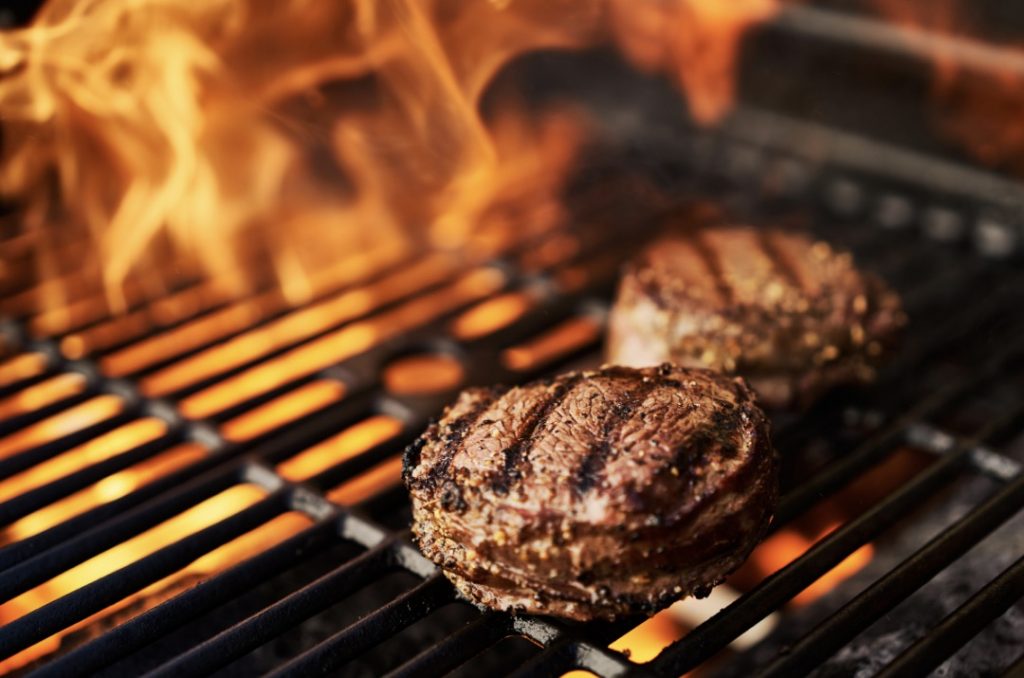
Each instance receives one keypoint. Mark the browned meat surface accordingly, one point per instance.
(791, 315)
(594, 494)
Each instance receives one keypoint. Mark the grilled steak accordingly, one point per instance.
(594, 494)
(791, 315)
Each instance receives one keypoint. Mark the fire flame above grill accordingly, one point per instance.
(219, 133)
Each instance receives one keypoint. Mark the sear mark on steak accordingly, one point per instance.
(595, 494)
(792, 316)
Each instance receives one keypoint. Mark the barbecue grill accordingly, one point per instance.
(251, 500)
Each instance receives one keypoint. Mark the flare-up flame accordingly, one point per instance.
(215, 133)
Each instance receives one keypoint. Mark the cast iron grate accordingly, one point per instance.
(965, 341)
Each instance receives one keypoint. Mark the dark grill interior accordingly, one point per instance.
(328, 581)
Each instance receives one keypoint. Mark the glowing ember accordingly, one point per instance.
(786, 546)
(491, 315)
(422, 374)
(336, 449)
(73, 419)
(96, 450)
(380, 477)
(104, 491)
(282, 410)
(219, 507)
(21, 367)
(340, 344)
(42, 394)
(556, 342)
(296, 326)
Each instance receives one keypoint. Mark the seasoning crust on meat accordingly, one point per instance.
(594, 494)
(791, 315)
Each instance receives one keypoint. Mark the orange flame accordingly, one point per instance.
(234, 131)
(696, 42)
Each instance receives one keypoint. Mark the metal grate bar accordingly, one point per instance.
(899, 583)
(605, 663)
(714, 634)
(993, 464)
(18, 552)
(566, 654)
(20, 421)
(557, 658)
(783, 584)
(375, 627)
(152, 624)
(42, 567)
(24, 504)
(1016, 670)
(959, 627)
(874, 450)
(313, 598)
(79, 604)
(570, 647)
(456, 649)
(40, 453)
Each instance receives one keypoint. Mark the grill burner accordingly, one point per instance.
(334, 553)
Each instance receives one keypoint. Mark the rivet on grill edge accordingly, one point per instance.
(742, 162)
(164, 410)
(395, 407)
(123, 389)
(995, 238)
(894, 211)
(205, 434)
(930, 439)
(844, 197)
(943, 224)
(786, 178)
(310, 503)
(262, 476)
(91, 373)
(994, 464)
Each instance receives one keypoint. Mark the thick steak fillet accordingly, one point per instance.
(792, 316)
(594, 494)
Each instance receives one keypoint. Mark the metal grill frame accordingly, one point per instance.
(853, 176)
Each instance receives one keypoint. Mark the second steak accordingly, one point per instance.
(791, 315)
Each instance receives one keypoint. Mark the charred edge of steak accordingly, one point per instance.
(453, 432)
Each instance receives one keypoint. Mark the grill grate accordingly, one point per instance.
(965, 342)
